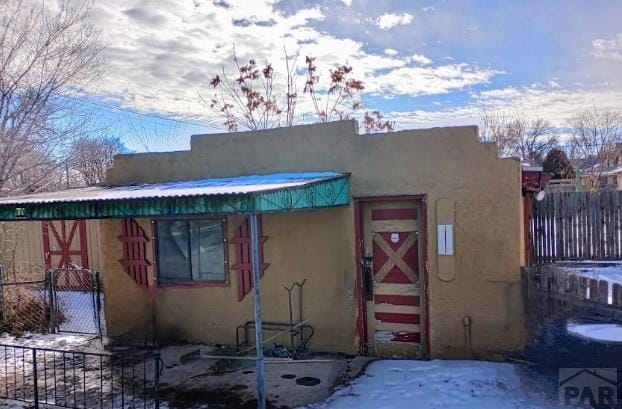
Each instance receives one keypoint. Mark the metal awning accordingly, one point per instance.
(244, 194)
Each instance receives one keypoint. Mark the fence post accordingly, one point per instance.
(98, 304)
(156, 357)
(2, 310)
(34, 377)
(48, 283)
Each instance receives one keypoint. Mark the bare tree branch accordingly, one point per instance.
(44, 55)
(92, 157)
(595, 140)
(518, 136)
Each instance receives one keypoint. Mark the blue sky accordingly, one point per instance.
(424, 63)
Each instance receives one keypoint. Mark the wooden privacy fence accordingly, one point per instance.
(575, 226)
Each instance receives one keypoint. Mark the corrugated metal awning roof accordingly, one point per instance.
(242, 194)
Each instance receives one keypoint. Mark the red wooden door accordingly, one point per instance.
(394, 314)
(64, 244)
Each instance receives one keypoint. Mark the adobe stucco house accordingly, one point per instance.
(455, 297)
(408, 243)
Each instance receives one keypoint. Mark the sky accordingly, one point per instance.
(423, 63)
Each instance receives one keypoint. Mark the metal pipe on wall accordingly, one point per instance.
(261, 388)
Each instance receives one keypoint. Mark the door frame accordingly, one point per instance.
(361, 319)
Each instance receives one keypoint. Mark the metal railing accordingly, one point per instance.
(80, 379)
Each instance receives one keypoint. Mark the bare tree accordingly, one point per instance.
(250, 99)
(253, 99)
(44, 54)
(594, 142)
(340, 99)
(374, 122)
(517, 135)
(92, 157)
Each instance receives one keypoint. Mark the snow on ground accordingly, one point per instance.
(598, 332)
(78, 308)
(601, 270)
(52, 341)
(610, 271)
(391, 384)
(69, 378)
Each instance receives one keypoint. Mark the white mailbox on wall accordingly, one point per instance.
(445, 237)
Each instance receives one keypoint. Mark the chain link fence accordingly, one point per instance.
(24, 305)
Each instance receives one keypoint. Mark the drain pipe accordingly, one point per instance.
(466, 321)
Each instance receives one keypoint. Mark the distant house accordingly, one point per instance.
(600, 176)
(408, 243)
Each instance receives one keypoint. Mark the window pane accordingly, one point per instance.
(208, 257)
(173, 248)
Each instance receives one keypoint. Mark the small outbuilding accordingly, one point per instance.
(405, 244)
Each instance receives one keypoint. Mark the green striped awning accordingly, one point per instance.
(280, 192)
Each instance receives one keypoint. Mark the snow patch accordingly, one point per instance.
(437, 384)
(598, 332)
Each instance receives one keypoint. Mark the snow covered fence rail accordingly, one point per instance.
(557, 292)
(79, 379)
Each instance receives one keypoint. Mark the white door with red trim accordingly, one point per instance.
(392, 249)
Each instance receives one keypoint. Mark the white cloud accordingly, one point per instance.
(417, 81)
(347, 3)
(610, 49)
(420, 59)
(389, 20)
(160, 57)
(550, 102)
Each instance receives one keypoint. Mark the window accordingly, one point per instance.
(190, 251)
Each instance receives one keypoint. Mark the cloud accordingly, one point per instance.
(550, 102)
(610, 49)
(418, 81)
(420, 59)
(389, 20)
(162, 67)
(347, 3)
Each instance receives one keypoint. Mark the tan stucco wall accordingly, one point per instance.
(126, 306)
(440, 163)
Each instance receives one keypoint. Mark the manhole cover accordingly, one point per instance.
(288, 376)
(308, 381)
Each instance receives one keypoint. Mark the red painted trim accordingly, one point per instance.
(243, 265)
(411, 300)
(398, 317)
(394, 214)
(423, 225)
(527, 204)
(414, 337)
(194, 284)
(393, 198)
(361, 318)
(134, 261)
(362, 307)
(45, 234)
(83, 243)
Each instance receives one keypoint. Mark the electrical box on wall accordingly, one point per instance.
(445, 237)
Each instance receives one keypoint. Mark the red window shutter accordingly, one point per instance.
(243, 262)
(134, 258)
